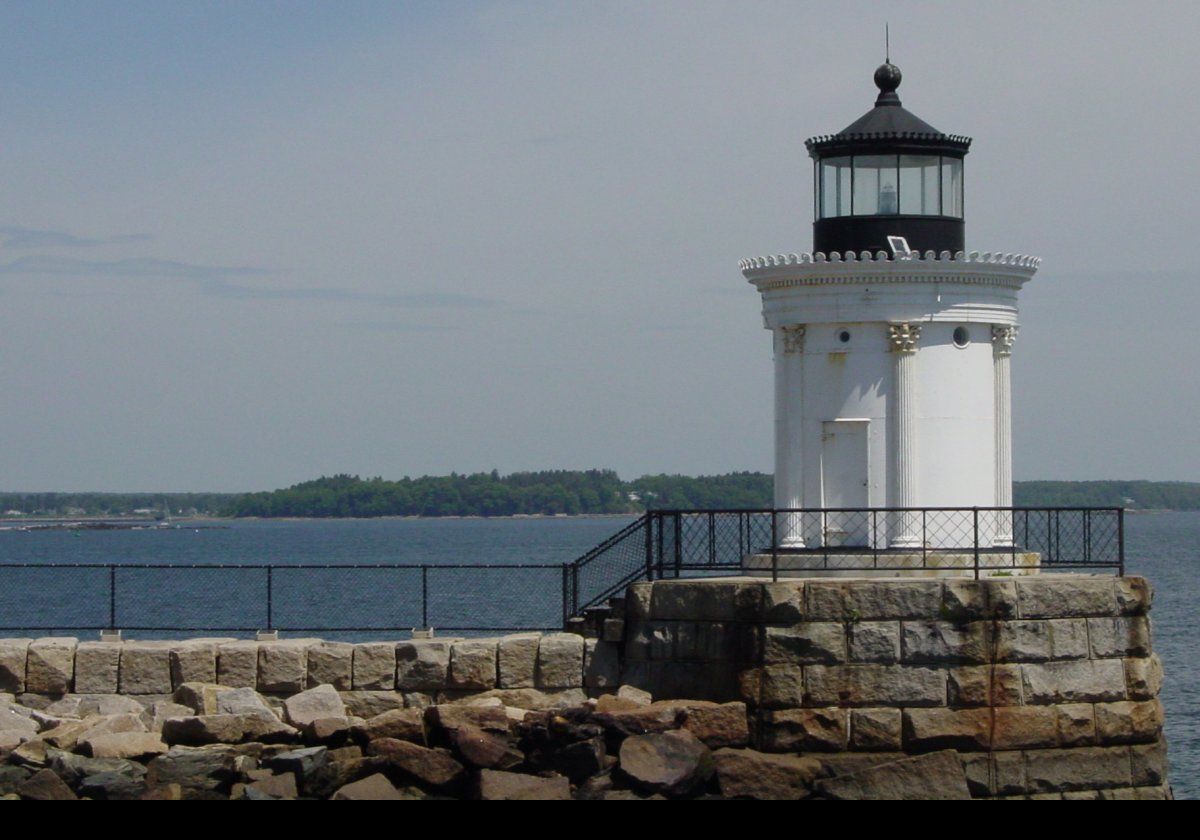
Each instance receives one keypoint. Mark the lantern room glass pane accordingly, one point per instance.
(835, 187)
(875, 185)
(952, 187)
(920, 185)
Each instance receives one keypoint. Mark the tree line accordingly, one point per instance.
(478, 494)
(1138, 495)
(553, 492)
(542, 493)
(160, 505)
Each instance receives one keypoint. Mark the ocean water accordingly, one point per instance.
(1163, 547)
(215, 580)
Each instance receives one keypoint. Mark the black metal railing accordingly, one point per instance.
(372, 600)
(975, 542)
(340, 601)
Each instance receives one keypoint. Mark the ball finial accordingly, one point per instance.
(887, 77)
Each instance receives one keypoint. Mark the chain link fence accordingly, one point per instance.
(379, 601)
(969, 541)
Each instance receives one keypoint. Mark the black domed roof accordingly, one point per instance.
(888, 124)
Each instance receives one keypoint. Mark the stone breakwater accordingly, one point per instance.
(448, 668)
(1043, 686)
(1039, 687)
(215, 742)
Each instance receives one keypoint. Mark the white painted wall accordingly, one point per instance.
(956, 410)
(854, 380)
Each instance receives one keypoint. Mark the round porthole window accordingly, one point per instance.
(844, 336)
(961, 337)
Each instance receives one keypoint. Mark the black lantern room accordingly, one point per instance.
(888, 173)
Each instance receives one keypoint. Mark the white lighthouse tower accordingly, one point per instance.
(892, 346)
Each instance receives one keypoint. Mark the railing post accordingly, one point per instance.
(825, 536)
(574, 590)
(1121, 541)
(924, 538)
(270, 598)
(975, 518)
(1087, 536)
(678, 531)
(566, 595)
(712, 539)
(774, 544)
(425, 598)
(649, 545)
(112, 597)
(874, 538)
(658, 541)
(1057, 536)
(1049, 537)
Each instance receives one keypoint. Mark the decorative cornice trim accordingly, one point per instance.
(793, 338)
(986, 268)
(985, 257)
(904, 337)
(955, 141)
(1003, 338)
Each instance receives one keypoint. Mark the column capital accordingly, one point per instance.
(793, 338)
(904, 337)
(1003, 338)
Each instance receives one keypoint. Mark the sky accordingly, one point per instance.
(246, 244)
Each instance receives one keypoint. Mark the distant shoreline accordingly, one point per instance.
(545, 494)
(182, 520)
(135, 523)
(632, 515)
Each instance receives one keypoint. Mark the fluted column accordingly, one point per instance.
(789, 439)
(1003, 338)
(904, 339)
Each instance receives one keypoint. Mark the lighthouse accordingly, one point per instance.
(892, 345)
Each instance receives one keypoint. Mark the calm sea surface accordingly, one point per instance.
(1163, 547)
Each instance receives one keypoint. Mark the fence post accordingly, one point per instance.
(1087, 536)
(774, 544)
(824, 535)
(270, 598)
(1057, 536)
(649, 545)
(975, 519)
(425, 597)
(659, 539)
(678, 530)
(574, 589)
(112, 597)
(567, 604)
(924, 538)
(1121, 541)
(712, 539)
(874, 539)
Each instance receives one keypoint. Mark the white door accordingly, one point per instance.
(845, 481)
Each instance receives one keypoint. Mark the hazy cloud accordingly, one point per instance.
(20, 237)
(134, 267)
(214, 280)
(397, 326)
(430, 300)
